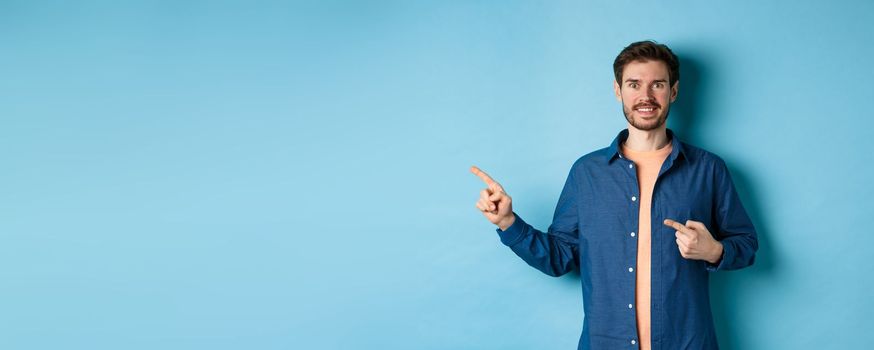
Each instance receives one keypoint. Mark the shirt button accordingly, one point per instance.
(633, 342)
(633, 198)
(630, 269)
(630, 166)
(632, 234)
(629, 306)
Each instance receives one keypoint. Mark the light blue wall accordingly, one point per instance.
(284, 175)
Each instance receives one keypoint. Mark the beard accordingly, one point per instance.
(643, 124)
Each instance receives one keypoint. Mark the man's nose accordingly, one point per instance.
(648, 97)
(649, 94)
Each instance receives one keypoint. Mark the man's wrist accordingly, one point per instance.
(506, 223)
(717, 253)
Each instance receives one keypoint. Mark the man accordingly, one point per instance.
(645, 220)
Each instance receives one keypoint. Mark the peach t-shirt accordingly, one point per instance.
(648, 165)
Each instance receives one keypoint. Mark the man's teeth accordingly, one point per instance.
(645, 109)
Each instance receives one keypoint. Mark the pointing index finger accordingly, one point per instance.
(486, 178)
(675, 225)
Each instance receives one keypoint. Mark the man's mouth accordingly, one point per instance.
(647, 109)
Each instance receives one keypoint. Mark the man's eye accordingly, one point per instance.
(633, 85)
(658, 85)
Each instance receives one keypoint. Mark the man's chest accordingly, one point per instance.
(609, 208)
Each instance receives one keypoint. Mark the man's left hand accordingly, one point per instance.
(695, 241)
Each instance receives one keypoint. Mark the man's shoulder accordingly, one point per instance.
(597, 157)
(700, 156)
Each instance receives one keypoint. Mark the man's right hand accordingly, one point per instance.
(494, 203)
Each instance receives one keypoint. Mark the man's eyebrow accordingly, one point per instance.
(629, 80)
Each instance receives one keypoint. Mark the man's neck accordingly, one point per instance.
(642, 141)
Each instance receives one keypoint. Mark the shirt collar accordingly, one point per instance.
(613, 151)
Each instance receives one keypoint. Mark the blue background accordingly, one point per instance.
(293, 175)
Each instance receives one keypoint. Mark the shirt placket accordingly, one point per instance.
(656, 216)
(633, 198)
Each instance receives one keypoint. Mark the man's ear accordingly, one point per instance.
(675, 90)
(617, 90)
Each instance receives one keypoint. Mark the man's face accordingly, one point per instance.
(645, 95)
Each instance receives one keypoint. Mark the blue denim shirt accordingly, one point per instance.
(593, 230)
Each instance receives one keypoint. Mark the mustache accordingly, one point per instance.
(647, 104)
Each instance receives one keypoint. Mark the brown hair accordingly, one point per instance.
(647, 51)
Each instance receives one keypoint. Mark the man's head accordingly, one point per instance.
(647, 79)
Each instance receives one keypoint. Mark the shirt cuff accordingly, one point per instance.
(514, 233)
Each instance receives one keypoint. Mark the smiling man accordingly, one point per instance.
(645, 220)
